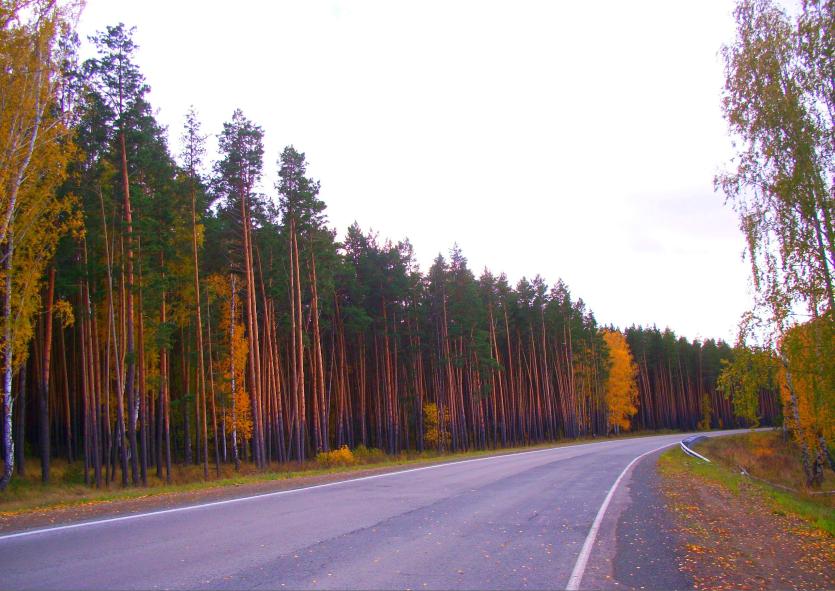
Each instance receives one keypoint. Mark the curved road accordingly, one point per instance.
(503, 522)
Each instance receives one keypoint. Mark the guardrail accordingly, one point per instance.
(690, 440)
(685, 443)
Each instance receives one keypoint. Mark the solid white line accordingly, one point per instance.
(583, 559)
(33, 532)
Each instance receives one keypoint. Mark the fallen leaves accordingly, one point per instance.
(736, 541)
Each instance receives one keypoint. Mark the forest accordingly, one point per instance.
(160, 309)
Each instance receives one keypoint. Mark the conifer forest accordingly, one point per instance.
(164, 308)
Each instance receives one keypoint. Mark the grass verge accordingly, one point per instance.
(766, 456)
(736, 533)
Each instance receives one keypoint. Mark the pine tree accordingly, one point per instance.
(236, 176)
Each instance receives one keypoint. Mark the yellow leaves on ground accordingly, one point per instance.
(621, 386)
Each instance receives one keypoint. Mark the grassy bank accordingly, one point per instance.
(765, 455)
(67, 488)
(737, 533)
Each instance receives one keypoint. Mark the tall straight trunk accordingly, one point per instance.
(497, 391)
(120, 403)
(212, 391)
(201, 367)
(19, 449)
(143, 401)
(43, 382)
(7, 351)
(85, 387)
(314, 400)
(92, 440)
(98, 392)
(280, 390)
(511, 385)
(101, 392)
(450, 389)
(165, 392)
(67, 417)
(339, 360)
(361, 379)
(130, 352)
(232, 311)
(188, 452)
(273, 375)
(252, 330)
(160, 428)
(295, 433)
(319, 375)
(299, 345)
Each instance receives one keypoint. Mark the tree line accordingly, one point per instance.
(162, 309)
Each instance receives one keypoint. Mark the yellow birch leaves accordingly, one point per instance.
(237, 408)
(809, 354)
(621, 385)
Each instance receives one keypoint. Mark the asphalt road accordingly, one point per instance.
(507, 522)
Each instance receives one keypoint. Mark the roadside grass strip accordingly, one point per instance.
(817, 511)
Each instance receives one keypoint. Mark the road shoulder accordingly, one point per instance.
(76, 513)
(637, 548)
(730, 537)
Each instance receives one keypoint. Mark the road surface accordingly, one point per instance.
(519, 521)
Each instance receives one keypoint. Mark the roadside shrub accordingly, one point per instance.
(338, 457)
(366, 455)
(435, 434)
(73, 474)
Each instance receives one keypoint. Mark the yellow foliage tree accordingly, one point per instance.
(30, 74)
(434, 427)
(237, 408)
(807, 388)
(621, 385)
(34, 153)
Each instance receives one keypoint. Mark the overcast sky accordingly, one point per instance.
(574, 140)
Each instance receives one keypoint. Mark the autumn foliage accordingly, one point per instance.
(807, 389)
(621, 385)
(169, 310)
(435, 435)
(337, 457)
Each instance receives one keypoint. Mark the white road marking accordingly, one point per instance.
(33, 532)
(583, 559)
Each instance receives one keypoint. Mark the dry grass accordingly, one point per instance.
(67, 488)
(764, 454)
(767, 456)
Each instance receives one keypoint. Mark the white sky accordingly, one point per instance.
(572, 140)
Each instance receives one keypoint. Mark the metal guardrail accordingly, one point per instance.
(689, 441)
(685, 443)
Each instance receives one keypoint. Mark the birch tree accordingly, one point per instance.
(34, 153)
